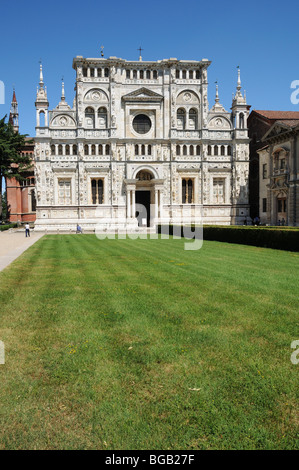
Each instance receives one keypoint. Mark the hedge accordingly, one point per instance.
(276, 238)
(6, 227)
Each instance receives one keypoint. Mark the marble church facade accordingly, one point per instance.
(140, 134)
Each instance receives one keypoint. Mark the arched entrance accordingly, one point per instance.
(143, 198)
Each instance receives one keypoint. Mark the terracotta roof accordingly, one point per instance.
(278, 115)
(14, 99)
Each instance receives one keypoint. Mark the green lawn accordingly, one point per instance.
(138, 344)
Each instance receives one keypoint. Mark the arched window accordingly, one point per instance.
(92, 72)
(181, 118)
(187, 191)
(229, 150)
(197, 74)
(86, 149)
(93, 149)
(41, 119)
(222, 150)
(99, 72)
(149, 149)
(74, 149)
(241, 121)
(178, 150)
(89, 117)
(100, 149)
(134, 73)
(59, 149)
(67, 149)
(177, 74)
(197, 149)
(184, 74)
(155, 74)
(190, 74)
(193, 118)
(184, 150)
(209, 150)
(148, 74)
(107, 149)
(128, 74)
(215, 149)
(102, 118)
(106, 71)
(142, 149)
(84, 72)
(52, 149)
(191, 150)
(136, 149)
(141, 74)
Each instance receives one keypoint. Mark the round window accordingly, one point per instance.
(142, 124)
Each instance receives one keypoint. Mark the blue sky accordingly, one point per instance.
(259, 36)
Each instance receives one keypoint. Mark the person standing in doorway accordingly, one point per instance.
(27, 230)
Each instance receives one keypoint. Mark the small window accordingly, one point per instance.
(197, 75)
(209, 150)
(184, 74)
(141, 74)
(177, 74)
(264, 171)
(52, 149)
(191, 150)
(100, 149)
(84, 72)
(149, 149)
(148, 74)
(136, 150)
(128, 74)
(97, 191)
(215, 149)
(106, 72)
(74, 149)
(134, 73)
(178, 150)
(222, 150)
(197, 149)
(99, 72)
(60, 149)
(86, 150)
(155, 74)
(67, 149)
(264, 204)
(92, 72)
(107, 150)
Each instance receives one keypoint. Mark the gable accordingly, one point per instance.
(142, 94)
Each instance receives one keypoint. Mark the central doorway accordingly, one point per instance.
(144, 199)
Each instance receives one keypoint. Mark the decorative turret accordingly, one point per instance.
(41, 103)
(14, 113)
(240, 109)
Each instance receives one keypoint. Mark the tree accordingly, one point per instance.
(13, 162)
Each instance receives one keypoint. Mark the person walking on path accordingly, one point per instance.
(27, 230)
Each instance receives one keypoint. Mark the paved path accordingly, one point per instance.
(13, 244)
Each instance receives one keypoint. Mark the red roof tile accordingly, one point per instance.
(278, 115)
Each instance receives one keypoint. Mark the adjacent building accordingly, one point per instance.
(140, 134)
(274, 146)
(21, 196)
